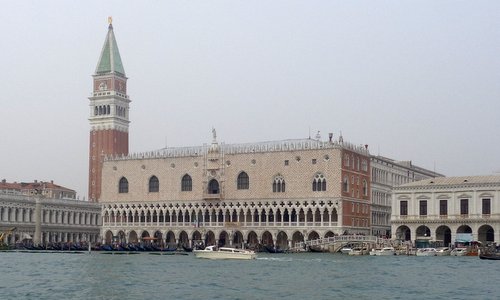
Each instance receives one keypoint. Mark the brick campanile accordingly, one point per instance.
(109, 112)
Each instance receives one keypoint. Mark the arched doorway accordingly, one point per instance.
(223, 239)
(267, 239)
(297, 237)
(158, 238)
(210, 238)
(464, 229)
(486, 234)
(121, 237)
(253, 240)
(329, 234)
(132, 237)
(184, 239)
(313, 235)
(403, 233)
(170, 238)
(443, 234)
(237, 239)
(282, 240)
(145, 236)
(423, 232)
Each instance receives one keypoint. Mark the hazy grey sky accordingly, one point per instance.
(415, 80)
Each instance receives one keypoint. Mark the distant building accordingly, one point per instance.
(442, 209)
(50, 189)
(62, 220)
(387, 173)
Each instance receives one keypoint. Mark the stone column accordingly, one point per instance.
(38, 221)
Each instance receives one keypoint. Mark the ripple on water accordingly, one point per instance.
(271, 276)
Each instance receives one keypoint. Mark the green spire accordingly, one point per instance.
(110, 60)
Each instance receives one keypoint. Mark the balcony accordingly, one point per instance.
(207, 196)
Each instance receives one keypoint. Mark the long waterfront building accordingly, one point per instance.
(444, 209)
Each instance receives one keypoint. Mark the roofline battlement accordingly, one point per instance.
(244, 148)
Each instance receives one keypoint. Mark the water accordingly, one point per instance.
(271, 276)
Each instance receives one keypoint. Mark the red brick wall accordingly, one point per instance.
(103, 142)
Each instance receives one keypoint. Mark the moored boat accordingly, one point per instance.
(359, 251)
(459, 252)
(386, 251)
(426, 252)
(346, 250)
(443, 251)
(211, 252)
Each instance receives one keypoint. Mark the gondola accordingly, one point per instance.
(490, 256)
(187, 249)
(317, 249)
(273, 249)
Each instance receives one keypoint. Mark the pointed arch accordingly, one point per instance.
(123, 185)
(186, 183)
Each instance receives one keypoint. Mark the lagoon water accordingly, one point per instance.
(270, 276)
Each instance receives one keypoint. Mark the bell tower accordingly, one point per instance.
(109, 112)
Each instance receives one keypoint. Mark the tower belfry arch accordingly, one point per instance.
(109, 112)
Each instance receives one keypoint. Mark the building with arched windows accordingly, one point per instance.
(277, 192)
(62, 219)
(446, 208)
(262, 193)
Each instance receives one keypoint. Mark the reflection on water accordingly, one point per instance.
(271, 276)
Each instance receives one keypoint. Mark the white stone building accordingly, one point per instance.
(439, 209)
(387, 173)
(62, 220)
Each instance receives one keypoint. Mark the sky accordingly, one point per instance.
(414, 80)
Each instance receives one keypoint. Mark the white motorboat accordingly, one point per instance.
(346, 250)
(213, 252)
(443, 251)
(459, 252)
(426, 252)
(359, 251)
(386, 251)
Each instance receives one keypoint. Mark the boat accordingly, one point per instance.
(443, 251)
(318, 249)
(346, 250)
(489, 256)
(426, 252)
(459, 252)
(386, 251)
(212, 252)
(187, 249)
(375, 251)
(359, 251)
(273, 249)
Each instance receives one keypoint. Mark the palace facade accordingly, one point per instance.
(441, 209)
